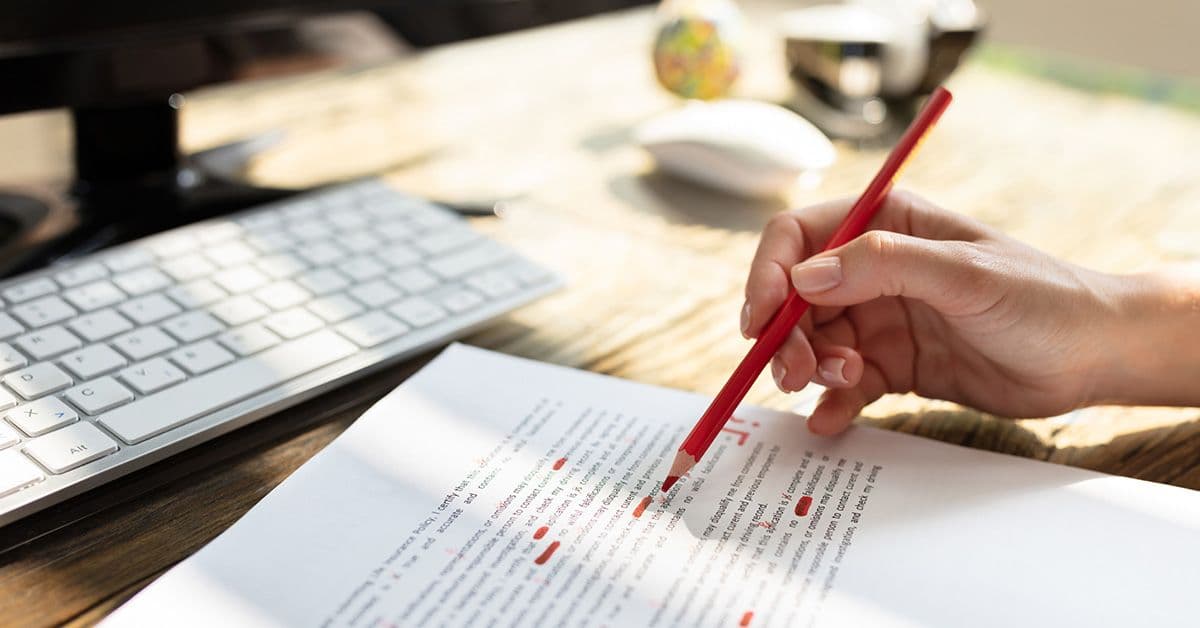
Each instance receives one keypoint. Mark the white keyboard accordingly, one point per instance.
(117, 360)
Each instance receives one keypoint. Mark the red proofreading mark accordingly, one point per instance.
(540, 532)
(558, 464)
(545, 556)
(734, 419)
(742, 436)
(765, 524)
(746, 618)
(641, 507)
(802, 506)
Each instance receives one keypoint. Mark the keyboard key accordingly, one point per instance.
(99, 395)
(81, 274)
(396, 230)
(11, 358)
(128, 259)
(494, 283)
(37, 380)
(142, 281)
(282, 295)
(188, 267)
(7, 399)
(172, 245)
(334, 308)
(17, 472)
(310, 230)
(323, 281)
(99, 325)
(201, 357)
(240, 279)
(460, 300)
(293, 323)
(321, 253)
(140, 344)
(371, 329)
(192, 326)
(8, 435)
(362, 268)
(415, 281)
(152, 375)
(215, 233)
(271, 242)
(248, 339)
(429, 217)
(155, 414)
(466, 261)
(375, 293)
(347, 219)
(230, 254)
(417, 311)
(71, 447)
(447, 240)
(42, 312)
(260, 220)
(281, 265)
(360, 241)
(44, 415)
(238, 310)
(93, 360)
(196, 293)
(48, 342)
(8, 326)
(149, 309)
(32, 289)
(94, 295)
(528, 274)
(398, 255)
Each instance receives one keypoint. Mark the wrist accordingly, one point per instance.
(1149, 352)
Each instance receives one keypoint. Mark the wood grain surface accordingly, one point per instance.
(655, 266)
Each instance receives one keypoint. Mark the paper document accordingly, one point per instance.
(496, 491)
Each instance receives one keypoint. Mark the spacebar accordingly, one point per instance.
(216, 389)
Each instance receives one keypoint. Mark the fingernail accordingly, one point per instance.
(778, 371)
(817, 275)
(746, 320)
(831, 370)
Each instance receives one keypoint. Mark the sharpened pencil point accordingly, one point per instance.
(669, 482)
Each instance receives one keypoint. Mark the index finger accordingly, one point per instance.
(794, 236)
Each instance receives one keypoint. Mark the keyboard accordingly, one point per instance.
(121, 358)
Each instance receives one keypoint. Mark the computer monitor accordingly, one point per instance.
(118, 66)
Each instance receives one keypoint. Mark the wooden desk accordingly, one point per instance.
(655, 266)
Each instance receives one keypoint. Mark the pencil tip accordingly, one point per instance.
(669, 482)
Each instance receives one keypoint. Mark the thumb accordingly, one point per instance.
(951, 276)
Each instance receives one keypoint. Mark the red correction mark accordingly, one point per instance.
(541, 532)
(734, 419)
(802, 506)
(764, 524)
(742, 436)
(558, 464)
(746, 618)
(641, 507)
(545, 556)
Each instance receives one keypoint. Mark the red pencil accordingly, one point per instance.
(713, 420)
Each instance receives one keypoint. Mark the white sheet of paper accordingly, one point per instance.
(496, 491)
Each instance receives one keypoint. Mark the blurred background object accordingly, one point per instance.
(861, 67)
(697, 51)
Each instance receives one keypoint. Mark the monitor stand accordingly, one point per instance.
(131, 180)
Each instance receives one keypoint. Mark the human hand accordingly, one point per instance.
(934, 303)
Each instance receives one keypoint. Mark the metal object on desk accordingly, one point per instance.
(862, 68)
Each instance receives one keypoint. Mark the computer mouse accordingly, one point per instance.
(748, 148)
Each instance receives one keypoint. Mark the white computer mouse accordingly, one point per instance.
(745, 147)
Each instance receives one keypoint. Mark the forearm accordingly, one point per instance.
(1155, 340)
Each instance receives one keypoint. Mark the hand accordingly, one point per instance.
(935, 303)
